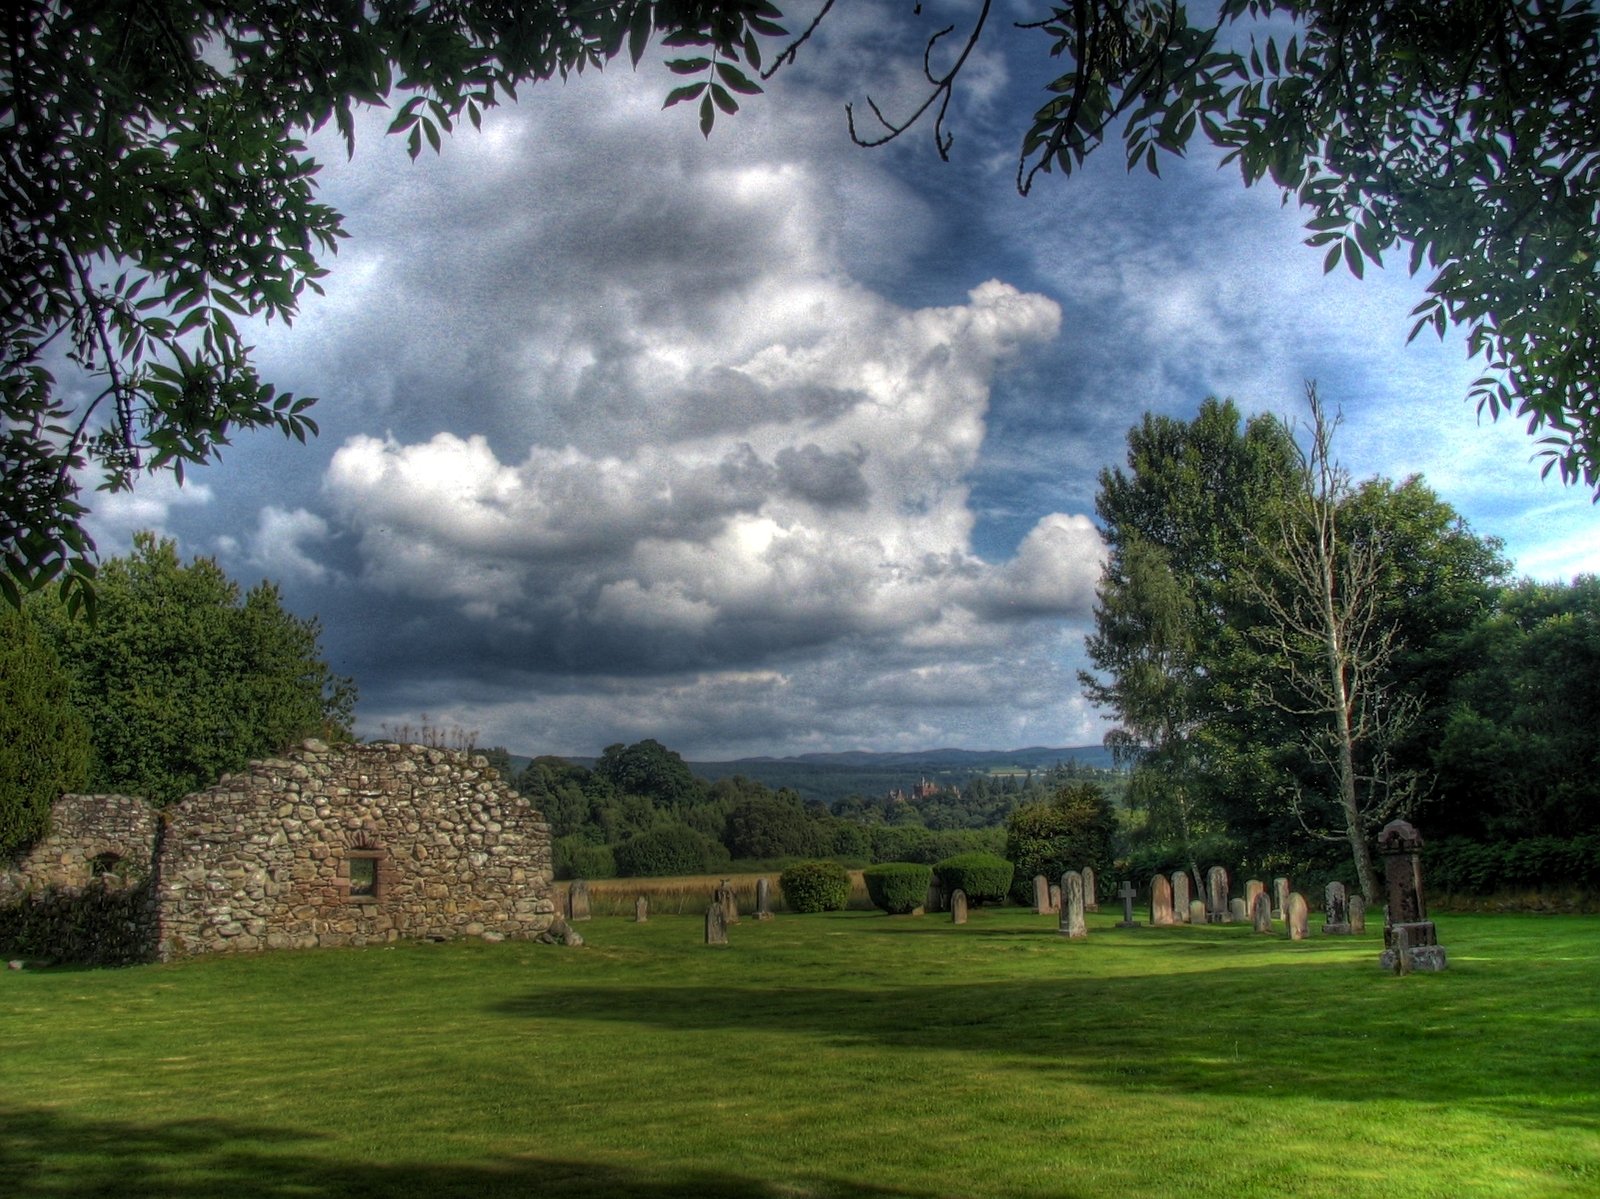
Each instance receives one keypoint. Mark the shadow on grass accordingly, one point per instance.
(1305, 1028)
(45, 1155)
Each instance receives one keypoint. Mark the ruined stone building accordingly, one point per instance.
(349, 845)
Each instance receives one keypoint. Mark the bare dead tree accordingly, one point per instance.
(1321, 590)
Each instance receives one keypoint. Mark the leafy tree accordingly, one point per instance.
(776, 826)
(184, 679)
(1072, 830)
(1175, 524)
(1519, 754)
(648, 768)
(667, 849)
(44, 742)
(157, 189)
(1246, 586)
(1462, 132)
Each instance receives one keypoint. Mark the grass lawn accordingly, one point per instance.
(852, 1055)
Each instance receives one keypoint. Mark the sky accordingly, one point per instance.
(766, 443)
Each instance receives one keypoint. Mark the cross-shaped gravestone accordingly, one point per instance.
(1127, 894)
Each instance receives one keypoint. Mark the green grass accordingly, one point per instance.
(853, 1055)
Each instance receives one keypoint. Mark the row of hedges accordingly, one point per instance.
(896, 887)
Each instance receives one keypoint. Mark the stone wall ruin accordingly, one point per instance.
(349, 845)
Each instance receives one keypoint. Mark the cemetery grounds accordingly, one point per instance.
(850, 1054)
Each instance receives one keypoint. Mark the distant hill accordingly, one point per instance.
(832, 776)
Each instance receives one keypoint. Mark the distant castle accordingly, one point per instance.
(923, 790)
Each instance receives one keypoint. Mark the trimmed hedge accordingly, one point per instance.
(815, 887)
(984, 877)
(897, 887)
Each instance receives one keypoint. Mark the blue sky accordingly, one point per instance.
(767, 443)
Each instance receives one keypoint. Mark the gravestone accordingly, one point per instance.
(1055, 897)
(1335, 912)
(1197, 912)
(935, 898)
(716, 925)
(1280, 897)
(1297, 916)
(1127, 894)
(1091, 890)
(1217, 895)
(1161, 913)
(1180, 896)
(1419, 949)
(763, 899)
(1252, 888)
(1358, 913)
(1237, 912)
(641, 909)
(958, 906)
(730, 904)
(1261, 913)
(1072, 923)
(1041, 895)
(577, 901)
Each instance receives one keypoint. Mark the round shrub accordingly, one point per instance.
(897, 887)
(665, 850)
(815, 887)
(983, 876)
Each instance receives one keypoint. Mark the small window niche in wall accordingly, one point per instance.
(105, 864)
(364, 869)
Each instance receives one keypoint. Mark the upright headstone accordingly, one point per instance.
(1091, 890)
(1055, 897)
(577, 901)
(1127, 894)
(1261, 913)
(1237, 912)
(1298, 917)
(1419, 949)
(1280, 897)
(958, 906)
(716, 925)
(1197, 912)
(1358, 913)
(730, 903)
(1217, 895)
(1180, 895)
(763, 898)
(935, 899)
(1161, 913)
(1072, 923)
(1335, 912)
(1252, 888)
(641, 909)
(1041, 895)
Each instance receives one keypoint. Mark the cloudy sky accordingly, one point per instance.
(771, 444)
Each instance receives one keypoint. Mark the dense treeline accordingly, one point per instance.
(1295, 658)
(641, 811)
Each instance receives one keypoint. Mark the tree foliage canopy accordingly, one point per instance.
(157, 192)
(1461, 133)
